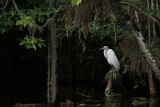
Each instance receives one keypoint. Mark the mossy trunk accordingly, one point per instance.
(52, 63)
(152, 88)
(109, 84)
(151, 62)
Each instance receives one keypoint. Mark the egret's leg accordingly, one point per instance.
(113, 68)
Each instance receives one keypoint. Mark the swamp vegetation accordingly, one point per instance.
(49, 52)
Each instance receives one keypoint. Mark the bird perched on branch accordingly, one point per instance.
(111, 57)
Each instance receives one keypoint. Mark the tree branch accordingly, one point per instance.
(147, 54)
(150, 60)
(83, 95)
(40, 28)
(7, 2)
(16, 7)
(140, 10)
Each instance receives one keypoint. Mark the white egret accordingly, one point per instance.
(111, 57)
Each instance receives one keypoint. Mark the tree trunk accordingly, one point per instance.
(52, 63)
(151, 62)
(152, 103)
(147, 54)
(152, 88)
(109, 80)
(109, 85)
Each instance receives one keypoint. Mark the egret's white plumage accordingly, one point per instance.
(111, 57)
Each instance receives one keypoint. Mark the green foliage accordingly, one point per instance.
(155, 50)
(126, 69)
(97, 29)
(7, 20)
(2, 3)
(109, 92)
(113, 101)
(139, 83)
(89, 103)
(105, 29)
(31, 16)
(81, 105)
(30, 42)
(137, 101)
(154, 47)
(25, 20)
(40, 14)
(76, 2)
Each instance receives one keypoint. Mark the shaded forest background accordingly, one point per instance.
(62, 37)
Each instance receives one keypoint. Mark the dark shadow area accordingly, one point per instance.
(23, 72)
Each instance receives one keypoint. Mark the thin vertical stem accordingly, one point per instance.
(157, 6)
(153, 23)
(115, 34)
(149, 25)
(151, 84)
(152, 4)
(137, 20)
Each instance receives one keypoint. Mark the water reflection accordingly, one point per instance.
(93, 96)
(153, 103)
(132, 102)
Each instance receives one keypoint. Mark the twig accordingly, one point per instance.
(7, 2)
(83, 95)
(140, 10)
(150, 60)
(149, 23)
(16, 7)
(40, 28)
(49, 19)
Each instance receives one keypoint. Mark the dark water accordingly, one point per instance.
(120, 102)
(86, 95)
(132, 102)
(93, 96)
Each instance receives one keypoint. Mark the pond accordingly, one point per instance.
(78, 95)
(93, 96)
(112, 102)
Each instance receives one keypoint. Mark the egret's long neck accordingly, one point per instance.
(105, 50)
(105, 53)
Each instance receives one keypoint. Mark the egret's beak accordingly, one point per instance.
(101, 49)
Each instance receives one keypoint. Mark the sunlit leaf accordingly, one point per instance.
(76, 2)
(31, 42)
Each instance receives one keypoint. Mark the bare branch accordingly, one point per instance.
(150, 60)
(36, 27)
(16, 7)
(83, 95)
(40, 28)
(149, 23)
(7, 2)
(140, 10)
